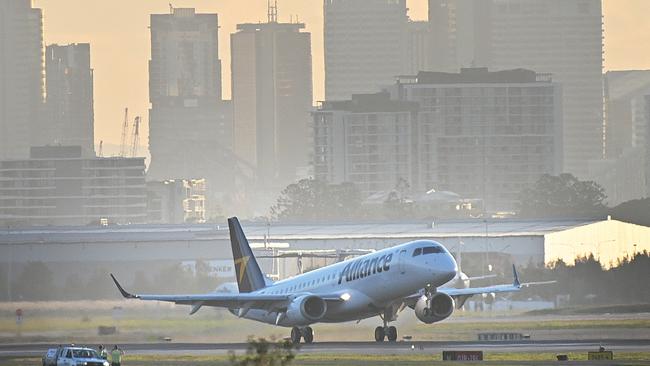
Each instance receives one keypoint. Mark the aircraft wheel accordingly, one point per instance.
(308, 335)
(379, 334)
(295, 335)
(392, 334)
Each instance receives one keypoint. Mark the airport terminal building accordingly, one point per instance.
(126, 249)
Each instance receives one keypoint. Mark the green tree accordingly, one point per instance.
(261, 352)
(562, 196)
(635, 212)
(398, 204)
(312, 200)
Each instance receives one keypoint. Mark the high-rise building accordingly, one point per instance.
(625, 92)
(623, 171)
(560, 37)
(368, 140)
(190, 127)
(69, 117)
(485, 135)
(482, 135)
(272, 99)
(364, 45)
(57, 185)
(21, 76)
(647, 146)
(442, 17)
(418, 48)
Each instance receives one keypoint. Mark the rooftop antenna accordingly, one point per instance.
(272, 11)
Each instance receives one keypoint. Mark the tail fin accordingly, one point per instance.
(249, 275)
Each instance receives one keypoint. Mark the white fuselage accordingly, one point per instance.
(368, 284)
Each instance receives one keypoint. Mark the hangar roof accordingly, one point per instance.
(257, 231)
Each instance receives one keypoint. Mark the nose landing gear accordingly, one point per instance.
(386, 331)
(306, 333)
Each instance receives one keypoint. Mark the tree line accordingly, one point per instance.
(562, 196)
(587, 283)
(35, 282)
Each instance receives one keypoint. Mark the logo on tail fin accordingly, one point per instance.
(241, 269)
(249, 275)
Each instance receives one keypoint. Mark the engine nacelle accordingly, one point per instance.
(442, 305)
(306, 310)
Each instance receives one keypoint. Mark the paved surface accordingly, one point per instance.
(618, 345)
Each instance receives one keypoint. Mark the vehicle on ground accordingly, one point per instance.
(382, 283)
(73, 356)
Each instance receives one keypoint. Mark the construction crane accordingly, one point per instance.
(125, 128)
(272, 13)
(136, 137)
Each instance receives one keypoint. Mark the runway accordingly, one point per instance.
(553, 346)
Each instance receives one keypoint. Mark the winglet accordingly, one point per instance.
(516, 282)
(122, 291)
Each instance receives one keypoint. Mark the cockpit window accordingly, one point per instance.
(417, 252)
(431, 250)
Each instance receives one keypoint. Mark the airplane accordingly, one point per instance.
(339, 254)
(381, 284)
(461, 280)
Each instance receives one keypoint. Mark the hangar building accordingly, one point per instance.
(125, 249)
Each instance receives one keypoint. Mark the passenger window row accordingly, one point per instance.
(301, 286)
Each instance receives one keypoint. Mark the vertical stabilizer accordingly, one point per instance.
(249, 275)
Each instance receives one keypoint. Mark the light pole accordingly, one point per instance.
(487, 249)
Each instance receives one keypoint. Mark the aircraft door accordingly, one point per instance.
(402, 261)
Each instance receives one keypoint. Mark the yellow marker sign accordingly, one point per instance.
(242, 262)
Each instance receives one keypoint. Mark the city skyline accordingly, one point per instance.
(122, 80)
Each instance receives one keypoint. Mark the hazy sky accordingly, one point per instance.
(119, 36)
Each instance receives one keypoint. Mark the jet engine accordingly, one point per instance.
(437, 308)
(306, 310)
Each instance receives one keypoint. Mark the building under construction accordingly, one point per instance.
(190, 126)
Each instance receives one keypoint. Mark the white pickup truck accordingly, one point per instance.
(73, 356)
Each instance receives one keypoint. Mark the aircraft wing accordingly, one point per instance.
(457, 292)
(475, 278)
(225, 300)
(461, 295)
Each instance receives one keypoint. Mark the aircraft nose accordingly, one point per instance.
(448, 267)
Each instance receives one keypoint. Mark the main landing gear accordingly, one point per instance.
(385, 331)
(306, 333)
